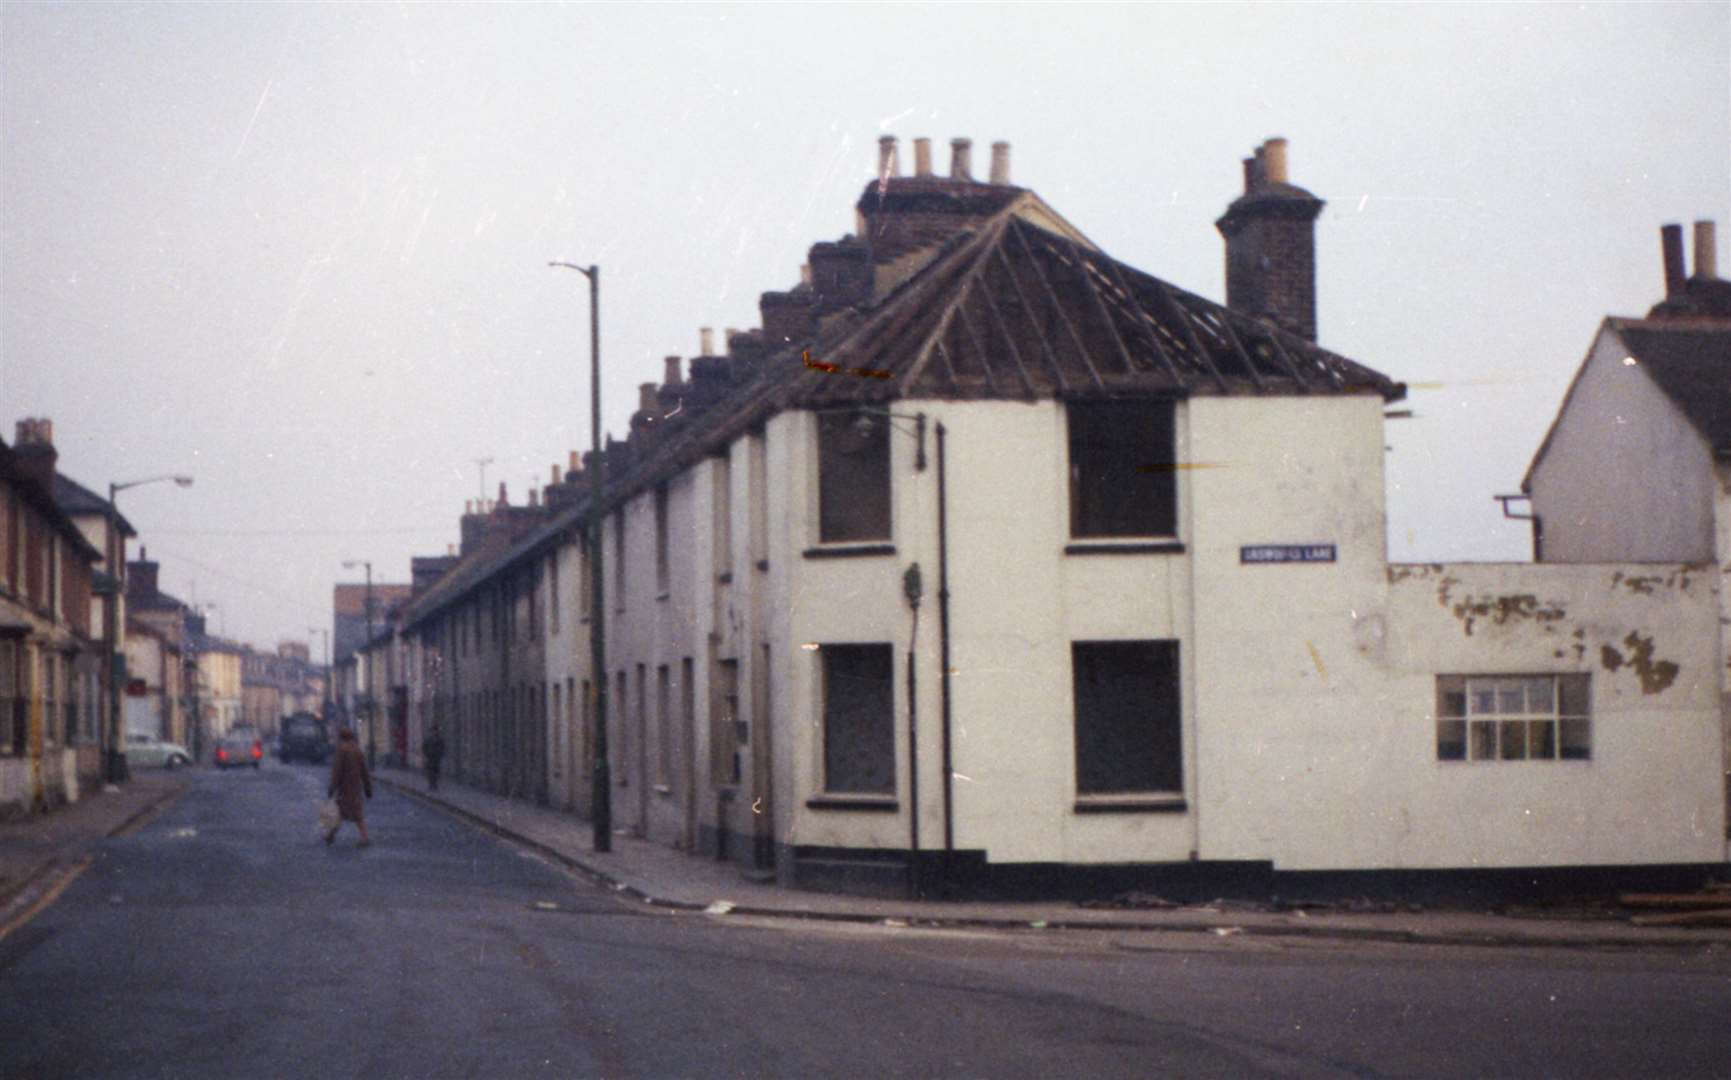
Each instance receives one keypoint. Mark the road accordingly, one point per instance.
(223, 939)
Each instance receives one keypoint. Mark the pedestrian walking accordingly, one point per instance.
(349, 781)
(433, 753)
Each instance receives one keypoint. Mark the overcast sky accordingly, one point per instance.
(300, 250)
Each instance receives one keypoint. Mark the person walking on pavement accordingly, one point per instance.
(433, 750)
(349, 781)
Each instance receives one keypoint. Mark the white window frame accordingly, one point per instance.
(1513, 717)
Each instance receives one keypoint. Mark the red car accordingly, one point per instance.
(239, 748)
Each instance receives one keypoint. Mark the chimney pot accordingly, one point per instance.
(1706, 259)
(554, 473)
(1261, 166)
(888, 165)
(922, 157)
(805, 274)
(504, 500)
(1000, 162)
(574, 466)
(670, 376)
(1274, 160)
(1671, 250)
(961, 159)
(706, 341)
(646, 397)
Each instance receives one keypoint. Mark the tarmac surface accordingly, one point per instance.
(38, 854)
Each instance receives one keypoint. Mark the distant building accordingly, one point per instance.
(50, 675)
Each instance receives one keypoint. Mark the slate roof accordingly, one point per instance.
(1012, 303)
(1691, 363)
(1688, 359)
(74, 498)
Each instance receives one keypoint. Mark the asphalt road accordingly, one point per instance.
(223, 939)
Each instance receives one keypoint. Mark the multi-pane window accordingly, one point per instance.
(661, 552)
(858, 719)
(1128, 717)
(853, 478)
(1123, 480)
(1513, 718)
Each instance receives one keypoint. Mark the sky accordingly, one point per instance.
(299, 251)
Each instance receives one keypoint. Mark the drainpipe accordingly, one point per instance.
(944, 659)
(911, 589)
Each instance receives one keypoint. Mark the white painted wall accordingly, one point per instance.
(1626, 478)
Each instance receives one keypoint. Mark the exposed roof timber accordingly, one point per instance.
(1052, 295)
(1142, 320)
(1003, 329)
(1058, 379)
(1086, 272)
(1243, 354)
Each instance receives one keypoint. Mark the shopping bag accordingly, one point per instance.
(329, 816)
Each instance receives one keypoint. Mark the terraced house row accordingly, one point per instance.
(989, 558)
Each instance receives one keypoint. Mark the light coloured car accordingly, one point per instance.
(238, 748)
(145, 750)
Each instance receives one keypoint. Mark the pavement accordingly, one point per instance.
(37, 851)
(661, 876)
(41, 849)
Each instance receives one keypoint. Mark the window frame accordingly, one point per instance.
(1160, 781)
(1101, 449)
(880, 779)
(843, 489)
(1476, 720)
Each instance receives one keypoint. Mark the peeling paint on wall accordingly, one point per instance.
(1656, 676)
(1501, 610)
(1649, 584)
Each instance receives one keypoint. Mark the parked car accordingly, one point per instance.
(303, 738)
(239, 748)
(145, 750)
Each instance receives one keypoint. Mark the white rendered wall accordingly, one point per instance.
(1626, 478)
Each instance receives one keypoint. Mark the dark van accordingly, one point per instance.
(304, 739)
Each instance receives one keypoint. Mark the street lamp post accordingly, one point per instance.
(325, 706)
(601, 794)
(367, 651)
(116, 770)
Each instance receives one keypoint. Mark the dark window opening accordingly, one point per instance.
(1127, 717)
(858, 720)
(853, 478)
(1123, 473)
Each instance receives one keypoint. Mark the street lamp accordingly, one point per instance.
(601, 794)
(116, 757)
(367, 651)
(325, 708)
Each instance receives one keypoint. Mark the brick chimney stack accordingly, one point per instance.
(34, 449)
(1270, 234)
(1706, 255)
(961, 159)
(141, 580)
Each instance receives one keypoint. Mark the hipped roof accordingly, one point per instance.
(1016, 305)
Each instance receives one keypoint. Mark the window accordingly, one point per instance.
(858, 720)
(722, 526)
(853, 477)
(553, 594)
(619, 560)
(663, 726)
(559, 733)
(661, 573)
(1128, 717)
(1122, 479)
(723, 709)
(1513, 718)
(757, 498)
(624, 729)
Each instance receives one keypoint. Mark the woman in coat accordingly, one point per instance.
(349, 781)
